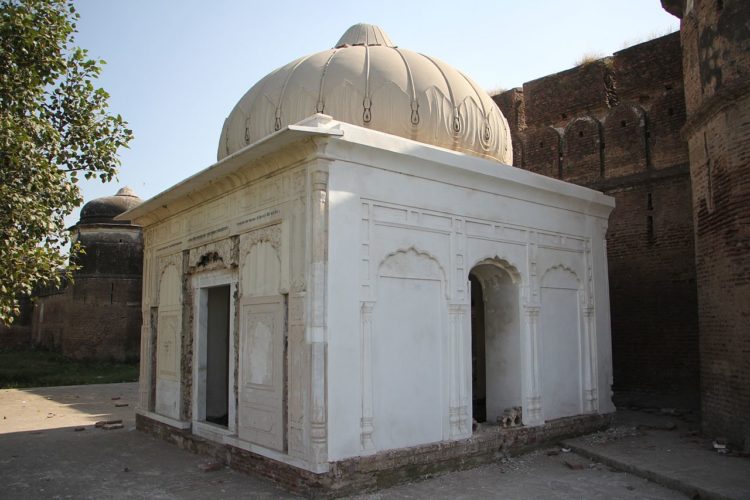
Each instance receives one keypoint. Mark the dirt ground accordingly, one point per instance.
(50, 448)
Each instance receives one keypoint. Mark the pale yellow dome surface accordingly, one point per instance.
(367, 81)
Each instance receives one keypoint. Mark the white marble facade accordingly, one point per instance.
(346, 255)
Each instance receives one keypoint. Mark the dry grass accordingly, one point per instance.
(496, 91)
(588, 58)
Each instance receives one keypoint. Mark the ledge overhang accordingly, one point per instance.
(451, 164)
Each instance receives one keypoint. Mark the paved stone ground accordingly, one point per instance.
(534, 475)
(43, 456)
(667, 449)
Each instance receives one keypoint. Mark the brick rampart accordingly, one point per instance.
(716, 60)
(614, 125)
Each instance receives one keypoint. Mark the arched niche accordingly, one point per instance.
(168, 346)
(262, 383)
(541, 150)
(496, 363)
(666, 117)
(624, 141)
(409, 346)
(582, 150)
(561, 363)
(260, 273)
(169, 287)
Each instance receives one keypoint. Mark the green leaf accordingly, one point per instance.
(54, 127)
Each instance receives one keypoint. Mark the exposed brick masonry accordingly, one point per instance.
(716, 60)
(360, 474)
(614, 125)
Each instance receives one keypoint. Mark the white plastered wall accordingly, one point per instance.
(168, 340)
(448, 223)
(400, 218)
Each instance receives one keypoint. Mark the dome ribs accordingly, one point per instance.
(414, 101)
(456, 122)
(486, 133)
(367, 102)
(321, 105)
(376, 85)
(277, 123)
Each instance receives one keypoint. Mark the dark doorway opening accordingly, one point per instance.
(495, 344)
(217, 355)
(478, 357)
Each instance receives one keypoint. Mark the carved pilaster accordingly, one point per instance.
(457, 412)
(298, 371)
(533, 391)
(144, 381)
(531, 309)
(589, 284)
(533, 293)
(366, 290)
(318, 435)
(317, 328)
(366, 423)
(458, 243)
(319, 251)
(590, 391)
(590, 385)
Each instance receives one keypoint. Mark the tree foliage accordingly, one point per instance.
(54, 130)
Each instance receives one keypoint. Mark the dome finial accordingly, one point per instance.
(364, 34)
(126, 191)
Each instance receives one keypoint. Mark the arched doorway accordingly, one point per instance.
(495, 342)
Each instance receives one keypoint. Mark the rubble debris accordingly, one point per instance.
(102, 423)
(79, 429)
(210, 466)
(110, 427)
(573, 465)
(120, 405)
(721, 445)
(552, 453)
(657, 427)
(511, 417)
(565, 450)
(517, 463)
(612, 434)
(115, 398)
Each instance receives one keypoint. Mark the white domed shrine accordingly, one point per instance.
(367, 80)
(361, 276)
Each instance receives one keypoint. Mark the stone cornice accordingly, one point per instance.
(252, 162)
(320, 137)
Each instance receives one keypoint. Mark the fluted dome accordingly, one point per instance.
(106, 208)
(368, 81)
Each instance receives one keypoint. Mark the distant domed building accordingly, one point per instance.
(98, 315)
(362, 277)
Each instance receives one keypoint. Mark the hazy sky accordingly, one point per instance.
(176, 68)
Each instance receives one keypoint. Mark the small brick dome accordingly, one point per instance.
(105, 209)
